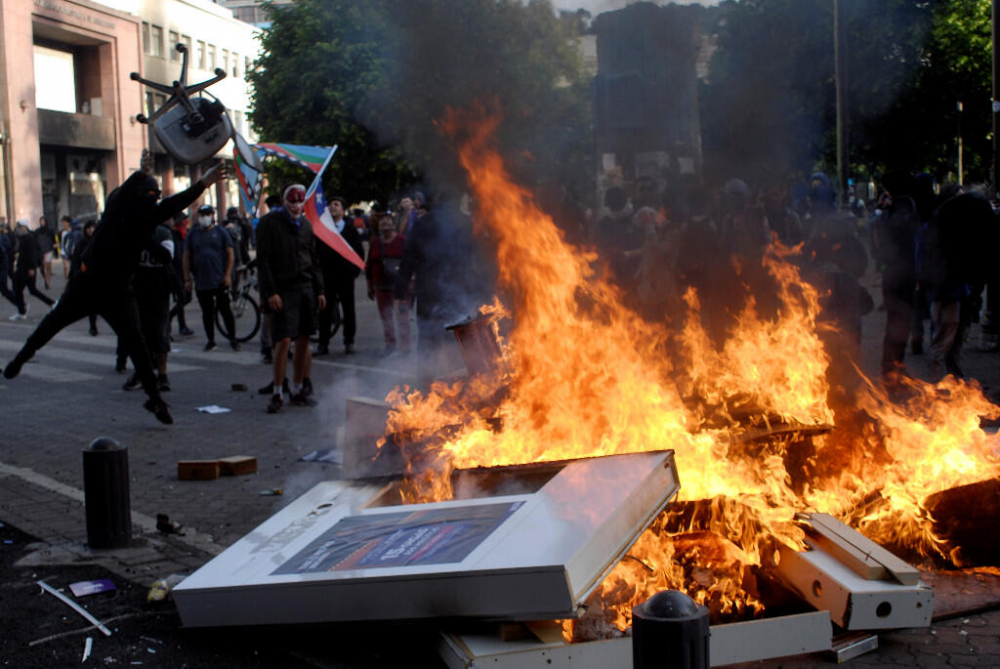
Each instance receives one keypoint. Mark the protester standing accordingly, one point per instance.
(208, 257)
(339, 274)
(381, 269)
(291, 283)
(48, 246)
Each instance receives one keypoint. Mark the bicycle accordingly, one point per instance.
(246, 312)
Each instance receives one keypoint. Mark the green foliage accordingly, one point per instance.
(770, 106)
(375, 76)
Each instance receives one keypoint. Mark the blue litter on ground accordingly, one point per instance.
(325, 455)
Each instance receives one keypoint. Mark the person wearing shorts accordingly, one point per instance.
(291, 286)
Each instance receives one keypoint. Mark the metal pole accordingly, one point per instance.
(106, 494)
(961, 170)
(840, 77)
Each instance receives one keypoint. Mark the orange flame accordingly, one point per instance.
(585, 376)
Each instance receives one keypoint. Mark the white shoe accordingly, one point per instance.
(15, 317)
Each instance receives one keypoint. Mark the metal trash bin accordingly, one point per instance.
(106, 494)
(670, 631)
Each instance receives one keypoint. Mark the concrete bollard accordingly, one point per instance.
(106, 494)
(670, 631)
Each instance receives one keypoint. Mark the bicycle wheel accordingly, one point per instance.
(246, 316)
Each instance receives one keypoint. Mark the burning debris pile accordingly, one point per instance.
(756, 436)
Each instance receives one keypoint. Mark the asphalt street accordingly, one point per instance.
(70, 394)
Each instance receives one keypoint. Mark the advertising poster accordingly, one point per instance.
(421, 537)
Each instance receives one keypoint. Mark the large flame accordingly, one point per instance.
(583, 375)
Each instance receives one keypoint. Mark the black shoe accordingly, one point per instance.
(274, 406)
(307, 387)
(266, 358)
(322, 349)
(93, 331)
(269, 388)
(235, 345)
(133, 382)
(13, 368)
(349, 348)
(299, 399)
(163, 383)
(917, 347)
(210, 346)
(159, 409)
(120, 366)
(186, 331)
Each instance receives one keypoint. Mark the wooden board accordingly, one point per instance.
(237, 465)
(862, 552)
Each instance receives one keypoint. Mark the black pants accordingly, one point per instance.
(338, 291)
(5, 289)
(181, 297)
(83, 296)
(216, 299)
(22, 281)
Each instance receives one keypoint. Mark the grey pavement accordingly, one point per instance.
(70, 395)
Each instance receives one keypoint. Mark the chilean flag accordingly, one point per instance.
(323, 227)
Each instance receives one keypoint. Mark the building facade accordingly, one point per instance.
(214, 39)
(68, 128)
(71, 136)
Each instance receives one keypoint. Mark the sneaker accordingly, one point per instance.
(274, 406)
(186, 331)
(132, 383)
(160, 409)
(120, 366)
(16, 317)
(349, 348)
(299, 399)
(322, 349)
(210, 346)
(163, 383)
(13, 368)
(307, 387)
(235, 345)
(266, 357)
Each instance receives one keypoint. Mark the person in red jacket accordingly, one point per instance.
(384, 256)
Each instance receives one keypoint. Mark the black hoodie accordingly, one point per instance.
(131, 214)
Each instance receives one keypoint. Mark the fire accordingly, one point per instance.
(583, 375)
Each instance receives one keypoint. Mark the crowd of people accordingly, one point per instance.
(143, 262)
(929, 244)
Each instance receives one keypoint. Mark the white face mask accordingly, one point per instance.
(204, 221)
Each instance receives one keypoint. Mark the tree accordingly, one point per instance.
(769, 104)
(375, 76)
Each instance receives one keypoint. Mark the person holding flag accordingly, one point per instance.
(339, 274)
(291, 286)
(340, 257)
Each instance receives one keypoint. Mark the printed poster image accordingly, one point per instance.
(422, 537)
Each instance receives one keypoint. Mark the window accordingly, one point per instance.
(201, 55)
(174, 39)
(147, 48)
(55, 80)
(225, 61)
(156, 41)
(211, 57)
(154, 101)
(236, 64)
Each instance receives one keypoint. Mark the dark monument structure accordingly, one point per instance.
(647, 94)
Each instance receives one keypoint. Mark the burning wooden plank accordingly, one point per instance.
(859, 553)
